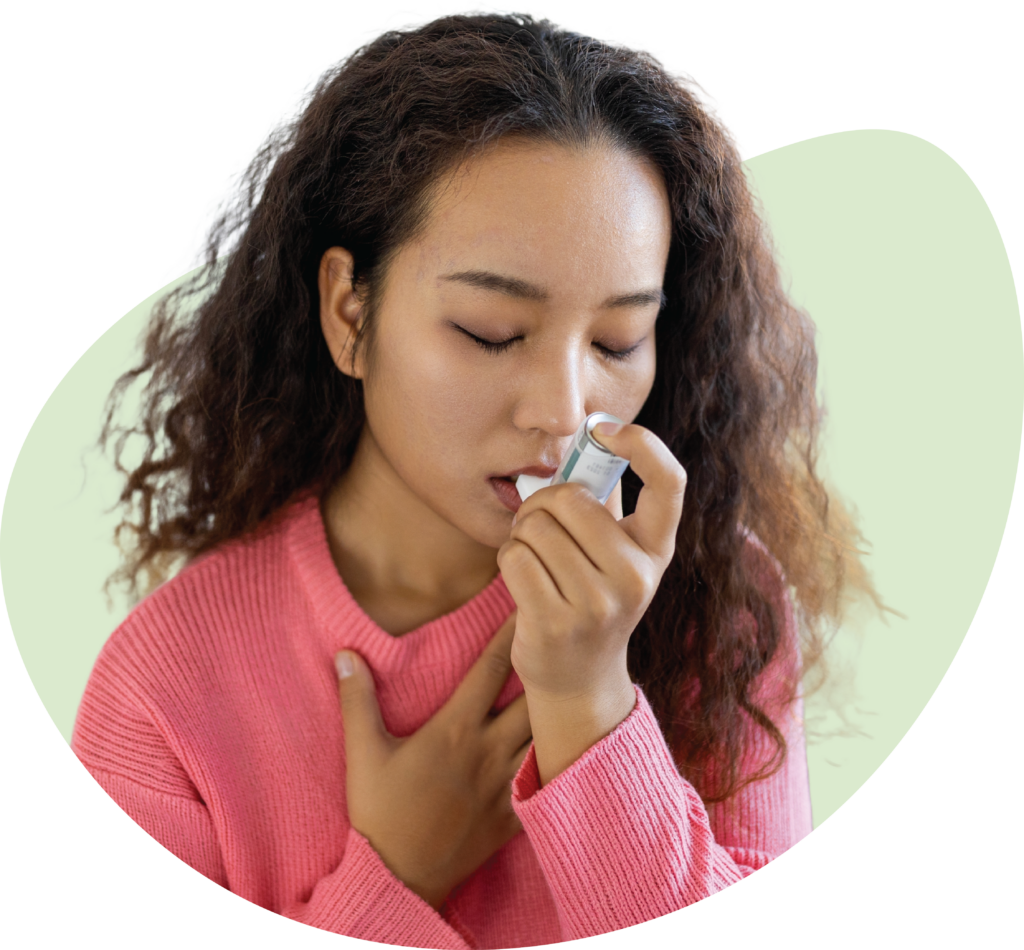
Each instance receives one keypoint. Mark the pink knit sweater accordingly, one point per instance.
(212, 718)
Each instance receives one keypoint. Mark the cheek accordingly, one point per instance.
(459, 398)
(628, 387)
(637, 383)
(457, 384)
(646, 379)
(421, 398)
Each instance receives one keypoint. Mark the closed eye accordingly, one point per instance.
(499, 346)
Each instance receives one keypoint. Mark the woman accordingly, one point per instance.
(384, 697)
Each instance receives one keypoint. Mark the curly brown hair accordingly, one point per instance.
(243, 407)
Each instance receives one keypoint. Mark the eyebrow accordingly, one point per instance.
(522, 290)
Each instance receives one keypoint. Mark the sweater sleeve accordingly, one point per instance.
(125, 752)
(622, 838)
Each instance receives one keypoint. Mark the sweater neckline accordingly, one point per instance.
(344, 624)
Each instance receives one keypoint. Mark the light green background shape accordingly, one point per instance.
(892, 250)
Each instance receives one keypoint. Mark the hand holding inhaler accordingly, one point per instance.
(586, 463)
(582, 581)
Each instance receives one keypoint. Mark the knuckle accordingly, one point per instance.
(517, 554)
(636, 575)
(577, 497)
(652, 445)
(526, 526)
(648, 588)
(680, 475)
(603, 607)
(636, 583)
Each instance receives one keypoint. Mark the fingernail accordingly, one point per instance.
(514, 520)
(344, 665)
(607, 428)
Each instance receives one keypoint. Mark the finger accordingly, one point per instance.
(561, 553)
(589, 524)
(525, 575)
(365, 734)
(654, 522)
(510, 729)
(480, 687)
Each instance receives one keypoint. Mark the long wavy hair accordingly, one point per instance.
(243, 408)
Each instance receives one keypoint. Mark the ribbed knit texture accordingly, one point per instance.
(212, 718)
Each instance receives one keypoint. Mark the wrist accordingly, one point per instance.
(565, 727)
(420, 881)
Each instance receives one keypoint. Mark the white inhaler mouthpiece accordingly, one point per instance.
(586, 463)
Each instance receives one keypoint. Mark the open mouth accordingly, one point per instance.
(507, 492)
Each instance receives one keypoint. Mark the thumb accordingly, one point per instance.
(365, 733)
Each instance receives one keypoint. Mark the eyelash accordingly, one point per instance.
(500, 346)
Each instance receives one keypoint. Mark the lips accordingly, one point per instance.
(506, 492)
(540, 471)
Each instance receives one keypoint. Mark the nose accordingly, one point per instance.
(551, 395)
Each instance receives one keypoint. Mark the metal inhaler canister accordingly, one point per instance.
(586, 463)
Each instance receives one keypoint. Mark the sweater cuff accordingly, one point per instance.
(526, 784)
(363, 899)
(621, 837)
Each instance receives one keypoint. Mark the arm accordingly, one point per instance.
(125, 751)
(622, 838)
(360, 898)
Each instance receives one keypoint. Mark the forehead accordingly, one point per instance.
(551, 214)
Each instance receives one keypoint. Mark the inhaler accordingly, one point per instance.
(586, 463)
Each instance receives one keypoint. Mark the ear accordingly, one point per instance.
(341, 309)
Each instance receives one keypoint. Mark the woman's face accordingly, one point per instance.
(560, 252)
